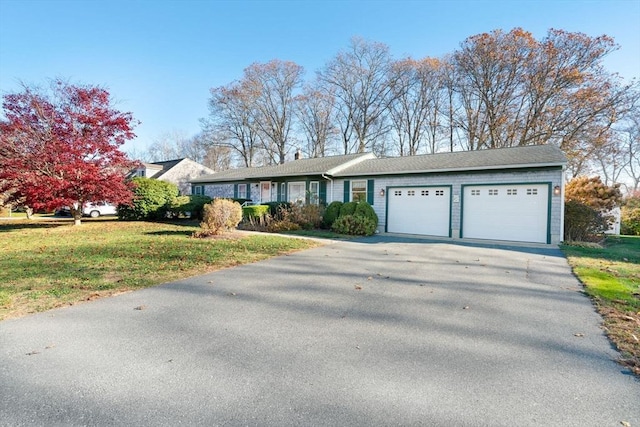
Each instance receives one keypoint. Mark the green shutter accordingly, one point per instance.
(278, 192)
(235, 191)
(370, 191)
(347, 191)
(249, 191)
(322, 193)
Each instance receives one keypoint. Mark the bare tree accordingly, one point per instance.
(231, 122)
(315, 110)
(166, 146)
(359, 78)
(417, 90)
(272, 86)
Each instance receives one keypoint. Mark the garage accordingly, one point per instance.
(419, 210)
(515, 212)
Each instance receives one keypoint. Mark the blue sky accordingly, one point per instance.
(160, 58)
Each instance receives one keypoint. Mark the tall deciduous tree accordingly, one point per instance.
(359, 78)
(516, 90)
(272, 86)
(315, 112)
(61, 147)
(231, 122)
(417, 99)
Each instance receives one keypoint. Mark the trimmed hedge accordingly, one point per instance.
(255, 211)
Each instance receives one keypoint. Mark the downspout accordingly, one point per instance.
(330, 180)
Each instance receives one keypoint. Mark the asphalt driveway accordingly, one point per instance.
(381, 331)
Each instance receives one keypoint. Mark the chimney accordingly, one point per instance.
(298, 155)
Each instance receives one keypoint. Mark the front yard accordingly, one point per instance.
(49, 263)
(611, 276)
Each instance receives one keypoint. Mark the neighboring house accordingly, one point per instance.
(178, 172)
(512, 194)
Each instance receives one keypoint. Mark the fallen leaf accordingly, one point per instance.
(358, 287)
(466, 307)
(140, 307)
(369, 278)
(31, 353)
(625, 423)
(231, 294)
(578, 334)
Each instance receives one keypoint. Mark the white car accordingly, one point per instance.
(97, 209)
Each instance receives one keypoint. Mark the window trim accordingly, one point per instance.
(363, 192)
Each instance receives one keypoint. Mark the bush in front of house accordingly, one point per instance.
(190, 206)
(255, 211)
(582, 223)
(331, 213)
(366, 210)
(219, 216)
(151, 200)
(282, 225)
(348, 208)
(276, 208)
(588, 202)
(356, 225)
(630, 216)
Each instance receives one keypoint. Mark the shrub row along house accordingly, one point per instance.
(512, 194)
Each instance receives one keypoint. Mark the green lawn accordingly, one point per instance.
(611, 276)
(48, 263)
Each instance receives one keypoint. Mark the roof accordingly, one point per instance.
(166, 166)
(366, 164)
(329, 165)
(499, 158)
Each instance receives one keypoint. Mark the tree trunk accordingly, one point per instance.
(29, 212)
(77, 215)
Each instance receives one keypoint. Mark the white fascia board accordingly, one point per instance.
(471, 169)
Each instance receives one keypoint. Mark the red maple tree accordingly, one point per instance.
(61, 148)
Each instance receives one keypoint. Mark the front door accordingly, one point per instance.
(265, 192)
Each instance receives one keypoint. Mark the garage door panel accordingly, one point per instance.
(419, 210)
(506, 212)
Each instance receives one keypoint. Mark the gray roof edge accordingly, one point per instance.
(460, 169)
(345, 165)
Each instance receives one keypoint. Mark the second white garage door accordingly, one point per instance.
(419, 210)
(506, 212)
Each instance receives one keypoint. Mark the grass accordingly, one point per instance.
(611, 276)
(48, 263)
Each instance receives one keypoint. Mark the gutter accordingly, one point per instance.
(330, 180)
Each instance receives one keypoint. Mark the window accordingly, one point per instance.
(439, 192)
(397, 193)
(297, 192)
(359, 191)
(314, 192)
(140, 172)
(411, 193)
(512, 191)
(424, 192)
(493, 192)
(532, 191)
(242, 191)
(475, 192)
(198, 190)
(283, 192)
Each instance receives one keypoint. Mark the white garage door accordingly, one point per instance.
(506, 212)
(419, 210)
